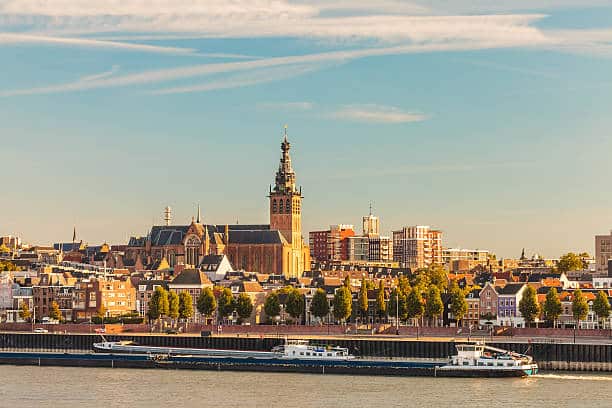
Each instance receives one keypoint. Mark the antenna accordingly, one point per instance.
(168, 215)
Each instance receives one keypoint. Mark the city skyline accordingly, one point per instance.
(489, 122)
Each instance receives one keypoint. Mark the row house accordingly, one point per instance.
(192, 281)
(52, 287)
(508, 299)
(146, 288)
(21, 294)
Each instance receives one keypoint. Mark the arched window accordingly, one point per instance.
(280, 206)
(192, 251)
(274, 206)
(288, 207)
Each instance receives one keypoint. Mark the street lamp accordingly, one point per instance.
(396, 311)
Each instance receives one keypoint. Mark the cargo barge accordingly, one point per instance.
(472, 360)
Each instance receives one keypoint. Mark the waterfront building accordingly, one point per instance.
(53, 287)
(113, 297)
(508, 299)
(274, 248)
(192, 281)
(146, 288)
(21, 294)
(417, 246)
(603, 253)
(488, 297)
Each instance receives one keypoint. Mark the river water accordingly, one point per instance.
(102, 387)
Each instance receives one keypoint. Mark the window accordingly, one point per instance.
(274, 208)
(288, 207)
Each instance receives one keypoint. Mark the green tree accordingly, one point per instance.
(101, 312)
(433, 304)
(363, 298)
(347, 282)
(294, 304)
(580, 307)
(601, 306)
(206, 303)
(244, 307)
(54, 312)
(24, 312)
(158, 305)
(528, 305)
(398, 303)
(319, 306)
(458, 304)
(570, 262)
(343, 303)
(552, 307)
(414, 303)
(381, 306)
(226, 304)
(272, 305)
(185, 306)
(173, 305)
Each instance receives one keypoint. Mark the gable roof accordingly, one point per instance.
(191, 277)
(510, 289)
(168, 234)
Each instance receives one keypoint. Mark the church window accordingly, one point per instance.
(274, 206)
(244, 262)
(192, 250)
(288, 207)
(280, 206)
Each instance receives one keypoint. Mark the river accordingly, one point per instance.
(102, 387)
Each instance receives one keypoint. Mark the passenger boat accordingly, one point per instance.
(480, 360)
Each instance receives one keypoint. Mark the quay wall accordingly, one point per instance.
(550, 355)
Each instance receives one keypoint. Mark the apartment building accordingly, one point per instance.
(417, 246)
(603, 253)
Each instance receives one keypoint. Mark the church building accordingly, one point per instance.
(276, 248)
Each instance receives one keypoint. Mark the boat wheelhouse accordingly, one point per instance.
(302, 350)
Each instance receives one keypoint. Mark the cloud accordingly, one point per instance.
(286, 106)
(13, 38)
(377, 114)
(241, 80)
(114, 69)
(173, 74)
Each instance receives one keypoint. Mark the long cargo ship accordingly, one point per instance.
(471, 360)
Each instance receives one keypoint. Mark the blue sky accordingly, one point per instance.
(487, 119)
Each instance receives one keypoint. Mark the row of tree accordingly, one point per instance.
(552, 308)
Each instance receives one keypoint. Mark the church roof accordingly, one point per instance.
(168, 234)
(256, 237)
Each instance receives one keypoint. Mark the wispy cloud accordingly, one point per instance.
(286, 106)
(174, 74)
(377, 114)
(114, 69)
(260, 76)
(13, 38)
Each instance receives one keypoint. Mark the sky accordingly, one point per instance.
(487, 119)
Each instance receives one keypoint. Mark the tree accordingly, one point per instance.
(173, 305)
(294, 303)
(458, 304)
(244, 306)
(601, 306)
(24, 312)
(552, 306)
(101, 312)
(580, 307)
(272, 305)
(347, 282)
(398, 303)
(226, 304)
(414, 302)
(54, 312)
(433, 304)
(437, 276)
(185, 305)
(381, 306)
(158, 305)
(528, 305)
(319, 306)
(570, 262)
(206, 303)
(363, 298)
(343, 303)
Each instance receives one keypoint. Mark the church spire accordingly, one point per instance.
(285, 176)
(199, 215)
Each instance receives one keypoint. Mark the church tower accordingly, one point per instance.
(286, 200)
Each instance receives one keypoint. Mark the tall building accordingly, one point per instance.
(358, 249)
(603, 252)
(380, 249)
(417, 246)
(275, 248)
(331, 244)
(371, 225)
